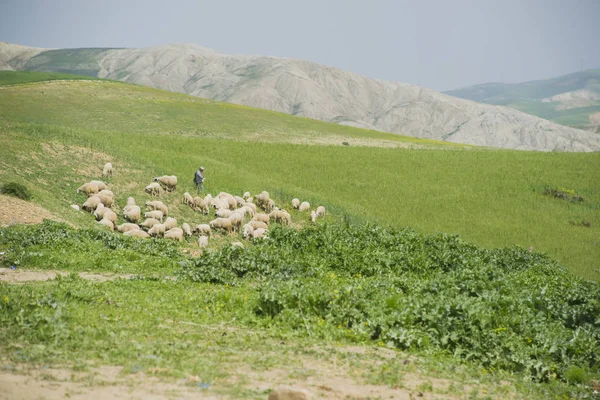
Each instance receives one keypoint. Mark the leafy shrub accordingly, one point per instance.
(575, 374)
(15, 190)
(508, 309)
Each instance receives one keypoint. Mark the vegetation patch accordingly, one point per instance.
(15, 190)
(508, 309)
(564, 194)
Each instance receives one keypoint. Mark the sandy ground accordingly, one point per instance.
(16, 211)
(20, 275)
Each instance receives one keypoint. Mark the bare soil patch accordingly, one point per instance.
(16, 211)
(19, 275)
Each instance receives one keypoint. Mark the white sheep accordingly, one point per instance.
(262, 200)
(170, 223)
(174, 233)
(187, 199)
(100, 211)
(261, 217)
(239, 201)
(246, 195)
(203, 242)
(157, 205)
(202, 229)
(168, 182)
(295, 203)
(257, 224)
(247, 231)
(110, 215)
(186, 229)
(101, 185)
(157, 230)
(106, 200)
(247, 210)
(153, 189)
(305, 206)
(320, 211)
(236, 220)
(223, 213)
(91, 203)
(280, 216)
(259, 233)
(208, 199)
(156, 214)
(229, 199)
(88, 188)
(126, 227)
(132, 213)
(252, 206)
(75, 207)
(149, 223)
(313, 216)
(221, 223)
(107, 170)
(137, 233)
(106, 192)
(200, 205)
(107, 223)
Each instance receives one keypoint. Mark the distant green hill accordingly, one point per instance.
(570, 100)
(55, 135)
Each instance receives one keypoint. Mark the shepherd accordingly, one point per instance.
(199, 179)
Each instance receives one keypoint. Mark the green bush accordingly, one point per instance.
(508, 309)
(575, 374)
(15, 190)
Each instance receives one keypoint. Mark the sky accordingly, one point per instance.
(439, 44)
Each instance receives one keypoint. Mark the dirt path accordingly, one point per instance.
(16, 211)
(20, 275)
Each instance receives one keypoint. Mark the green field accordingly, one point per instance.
(466, 312)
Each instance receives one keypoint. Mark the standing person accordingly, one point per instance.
(199, 179)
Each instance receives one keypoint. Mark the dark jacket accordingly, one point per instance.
(198, 178)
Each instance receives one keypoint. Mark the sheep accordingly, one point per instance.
(101, 185)
(221, 223)
(247, 232)
(156, 214)
(187, 199)
(239, 201)
(100, 211)
(219, 204)
(261, 217)
(262, 199)
(91, 203)
(305, 206)
(203, 242)
(157, 205)
(208, 199)
(157, 230)
(202, 229)
(174, 233)
(320, 211)
(257, 224)
(246, 195)
(106, 192)
(106, 200)
(137, 233)
(236, 220)
(228, 199)
(110, 215)
(295, 203)
(88, 188)
(186, 229)
(259, 233)
(252, 206)
(132, 213)
(280, 216)
(168, 182)
(75, 207)
(153, 189)
(107, 223)
(107, 170)
(200, 205)
(149, 223)
(224, 213)
(313, 216)
(170, 223)
(247, 210)
(128, 227)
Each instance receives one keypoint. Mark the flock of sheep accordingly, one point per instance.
(230, 211)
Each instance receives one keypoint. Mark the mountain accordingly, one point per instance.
(312, 90)
(571, 100)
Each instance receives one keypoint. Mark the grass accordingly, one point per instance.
(14, 78)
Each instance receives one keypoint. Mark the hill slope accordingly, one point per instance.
(56, 135)
(572, 100)
(316, 91)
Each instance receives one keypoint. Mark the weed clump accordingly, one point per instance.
(15, 190)
(564, 194)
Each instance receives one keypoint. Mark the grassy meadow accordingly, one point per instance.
(470, 315)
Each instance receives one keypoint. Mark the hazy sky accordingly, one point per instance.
(444, 44)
